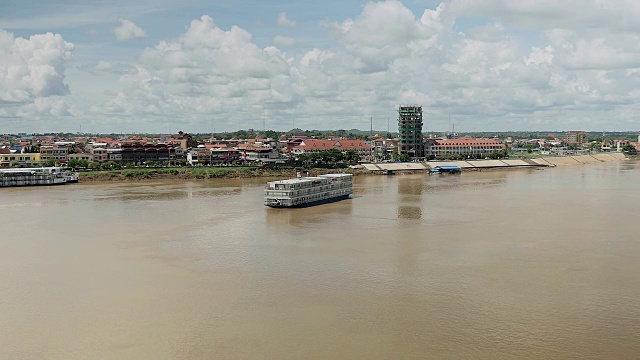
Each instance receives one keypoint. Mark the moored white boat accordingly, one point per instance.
(308, 191)
(71, 177)
(36, 176)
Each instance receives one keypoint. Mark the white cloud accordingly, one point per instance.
(483, 76)
(487, 73)
(280, 40)
(283, 21)
(540, 56)
(595, 49)
(46, 108)
(383, 32)
(207, 69)
(128, 31)
(32, 68)
(550, 14)
(104, 65)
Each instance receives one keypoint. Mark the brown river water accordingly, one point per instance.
(484, 265)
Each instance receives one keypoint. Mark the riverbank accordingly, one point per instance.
(230, 172)
(182, 173)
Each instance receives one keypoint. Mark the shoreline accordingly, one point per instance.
(143, 174)
(203, 173)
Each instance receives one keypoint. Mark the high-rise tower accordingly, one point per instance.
(410, 129)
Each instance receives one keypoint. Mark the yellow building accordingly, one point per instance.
(25, 160)
(576, 137)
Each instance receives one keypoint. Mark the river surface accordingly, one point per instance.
(482, 265)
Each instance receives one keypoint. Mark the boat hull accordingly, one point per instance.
(308, 191)
(312, 203)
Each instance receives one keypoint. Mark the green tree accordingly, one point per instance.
(403, 157)
(304, 159)
(272, 134)
(50, 162)
(315, 157)
(333, 156)
(630, 149)
(351, 156)
(395, 153)
(109, 165)
(73, 163)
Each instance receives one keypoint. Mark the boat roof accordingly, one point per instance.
(308, 179)
(39, 169)
(297, 180)
(334, 175)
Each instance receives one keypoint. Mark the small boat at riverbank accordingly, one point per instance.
(37, 176)
(308, 191)
(446, 169)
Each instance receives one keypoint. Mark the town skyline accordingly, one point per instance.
(159, 66)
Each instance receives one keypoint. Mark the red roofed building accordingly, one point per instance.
(311, 145)
(439, 148)
(109, 142)
(295, 141)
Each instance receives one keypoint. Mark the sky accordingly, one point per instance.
(160, 66)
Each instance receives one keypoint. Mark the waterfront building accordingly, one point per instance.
(183, 140)
(257, 153)
(138, 153)
(576, 137)
(224, 155)
(410, 128)
(58, 153)
(23, 160)
(440, 148)
(100, 155)
(199, 156)
(114, 155)
(295, 141)
(383, 148)
(315, 146)
(81, 156)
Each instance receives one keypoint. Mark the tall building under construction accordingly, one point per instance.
(410, 129)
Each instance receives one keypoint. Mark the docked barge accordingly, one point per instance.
(308, 191)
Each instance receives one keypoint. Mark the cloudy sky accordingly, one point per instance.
(166, 65)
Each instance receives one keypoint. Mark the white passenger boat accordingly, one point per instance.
(36, 176)
(308, 191)
(71, 177)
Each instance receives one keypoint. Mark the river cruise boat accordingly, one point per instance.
(308, 191)
(36, 176)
